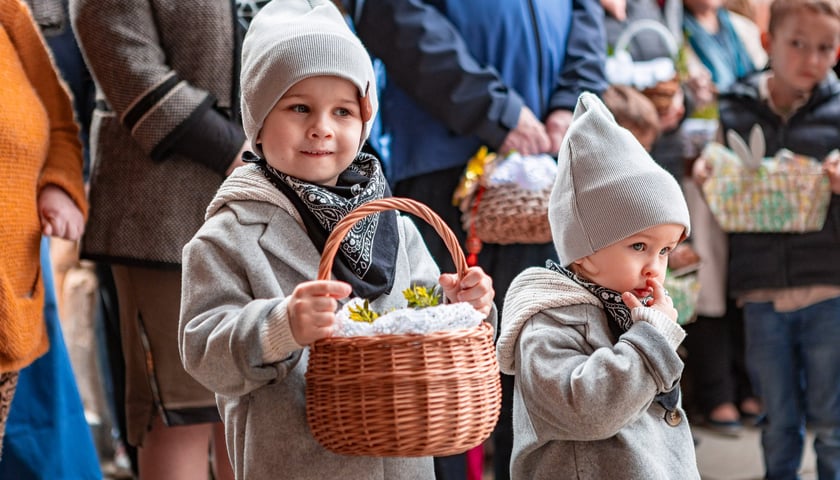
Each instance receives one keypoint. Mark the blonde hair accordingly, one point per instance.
(780, 9)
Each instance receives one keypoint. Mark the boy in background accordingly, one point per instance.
(789, 284)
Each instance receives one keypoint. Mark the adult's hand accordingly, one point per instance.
(528, 138)
(556, 125)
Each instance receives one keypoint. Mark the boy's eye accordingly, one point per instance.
(639, 247)
(826, 49)
(797, 44)
(342, 112)
(665, 251)
(299, 108)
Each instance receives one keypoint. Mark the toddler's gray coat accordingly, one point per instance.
(583, 404)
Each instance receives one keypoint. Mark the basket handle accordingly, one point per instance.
(390, 203)
(627, 35)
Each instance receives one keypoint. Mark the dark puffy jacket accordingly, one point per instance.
(786, 260)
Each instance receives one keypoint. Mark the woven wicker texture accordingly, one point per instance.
(507, 214)
(786, 194)
(402, 395)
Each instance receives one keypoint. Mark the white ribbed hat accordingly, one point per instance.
(608, 187)
(290, 40)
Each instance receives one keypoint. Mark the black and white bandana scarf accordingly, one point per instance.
(367, 255)
(618, 318)
(617, 312)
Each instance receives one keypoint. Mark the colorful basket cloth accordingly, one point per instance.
(685, 292)
(783, 193)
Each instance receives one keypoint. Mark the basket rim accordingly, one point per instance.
(361, 341)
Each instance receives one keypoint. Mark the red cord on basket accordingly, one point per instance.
(473, 242)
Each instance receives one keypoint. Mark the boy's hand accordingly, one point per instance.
(701, 171)
(661, 301)
(476, 288)
(831, 166)
(312, 307)
(60, 217)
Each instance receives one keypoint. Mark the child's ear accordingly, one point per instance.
(584, 266)
(365, 106)
(765, 41)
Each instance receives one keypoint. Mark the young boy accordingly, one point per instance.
(592, 340)
(789, 284)
(250, 306)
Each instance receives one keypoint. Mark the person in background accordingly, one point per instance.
(43, 189)
(673, 103)
(635, 112)
(165, 133)
(467, 73)
(722, 47)
(789, 284)
(251, 301)
(592, 338)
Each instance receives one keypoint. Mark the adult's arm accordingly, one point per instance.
(426, 57)
(586, 55)
(164, 113)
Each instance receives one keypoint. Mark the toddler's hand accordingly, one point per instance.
(312, 307)
(831, 166)
(60, 217)
(476, 288)
(661, 301)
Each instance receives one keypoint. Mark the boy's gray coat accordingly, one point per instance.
(235, 339)
(583, 401)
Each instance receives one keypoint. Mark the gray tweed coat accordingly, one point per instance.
(166, 124)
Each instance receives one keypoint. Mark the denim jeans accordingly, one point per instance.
(794, 362)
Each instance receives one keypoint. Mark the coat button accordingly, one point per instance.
(673, 418)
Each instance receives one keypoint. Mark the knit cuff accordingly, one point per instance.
(673, 333)
(276, 335)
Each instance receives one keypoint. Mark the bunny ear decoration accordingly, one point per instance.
(739, 146)
(757, 144)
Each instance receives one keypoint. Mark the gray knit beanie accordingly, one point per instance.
(291, 40)
(608, 187)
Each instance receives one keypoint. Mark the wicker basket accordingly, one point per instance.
(786, 193)
(506, 214)
(402, 395)
(502, 213)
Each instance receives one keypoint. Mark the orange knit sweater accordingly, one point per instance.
(39, 145)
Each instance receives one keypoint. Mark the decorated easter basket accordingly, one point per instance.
(685, 292)
(403, 395)
(748, 192)
(658, 79)
(498, 205)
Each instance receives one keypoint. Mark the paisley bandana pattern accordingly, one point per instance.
(367, 255)
(328, 208)
(614, 306)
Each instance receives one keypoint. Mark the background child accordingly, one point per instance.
(43, 191)
(249, 303)
(596, 391)
(789, 284)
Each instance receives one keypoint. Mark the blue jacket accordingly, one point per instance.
(459, 71)
(778, 260)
